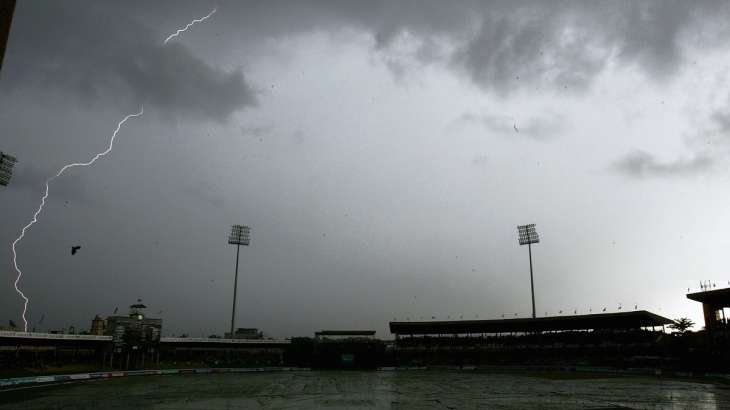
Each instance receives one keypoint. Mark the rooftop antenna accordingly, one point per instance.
(527, 235)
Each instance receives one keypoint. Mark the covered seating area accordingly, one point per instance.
(713, 303)
(640, 319)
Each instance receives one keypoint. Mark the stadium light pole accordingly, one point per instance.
(240, 235)
(6, 168)
(527, 236)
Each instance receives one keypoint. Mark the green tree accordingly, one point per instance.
(682, 325)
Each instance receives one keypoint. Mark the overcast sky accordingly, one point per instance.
(382, 152)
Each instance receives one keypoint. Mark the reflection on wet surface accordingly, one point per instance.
(386, 390)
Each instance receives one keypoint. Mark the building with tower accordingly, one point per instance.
(135, 337)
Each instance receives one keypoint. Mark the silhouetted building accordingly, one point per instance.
(250, 333)
(98, 326)
(345, 334)
(135, 336)
(600, 321)
(602, 339)
(713, 303)
(11, 326)
(346, 349)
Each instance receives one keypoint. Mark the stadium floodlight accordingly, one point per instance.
(240, 235)
(527, 236)
(6, 168)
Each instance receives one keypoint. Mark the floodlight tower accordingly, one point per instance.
(240, 235)
(527, 236)
(6, 167)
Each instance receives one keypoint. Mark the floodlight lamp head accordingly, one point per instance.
(527, 234)
(6, 168)
(240, 235)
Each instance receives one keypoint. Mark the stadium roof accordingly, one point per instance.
(345, 333)
(602, 321)
(719, 297)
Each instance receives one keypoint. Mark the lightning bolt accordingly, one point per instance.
(200, 20)
(78, 164)
(43, 203)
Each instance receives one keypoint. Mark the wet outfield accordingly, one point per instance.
(382, 390)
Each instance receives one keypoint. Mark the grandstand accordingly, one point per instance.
(640, 319)
(214, 352)
(344, 334)
(20, 350)
(714, 303)
(42, 350)
(612, 339)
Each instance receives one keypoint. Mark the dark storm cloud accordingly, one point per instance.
(721, 119)
(640, 164)
(97, 54)
(535, 45)
(505, 46)
(500, 46)
(540, 45)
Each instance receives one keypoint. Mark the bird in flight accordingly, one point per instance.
(515, 127)
(75, 249)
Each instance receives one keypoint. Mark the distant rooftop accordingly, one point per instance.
(717, 297)
(598, 321)
(345, 333)
(221, 341)
(53, 336)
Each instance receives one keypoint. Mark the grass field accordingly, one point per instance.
(382, 390)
